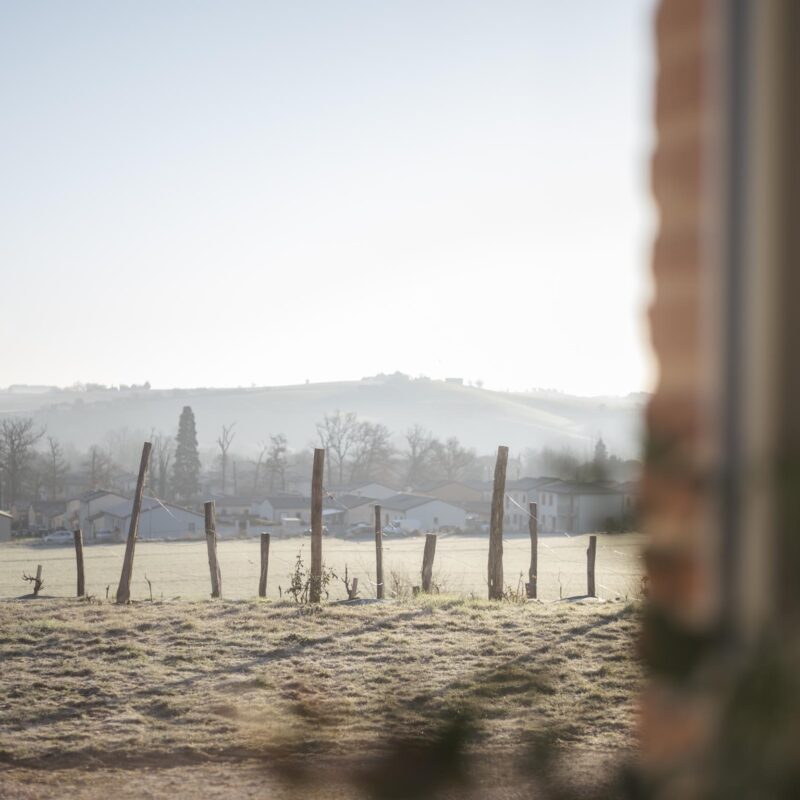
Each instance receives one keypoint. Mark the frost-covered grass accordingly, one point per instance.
(94, 695)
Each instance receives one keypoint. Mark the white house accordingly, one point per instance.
(279, 507)
(47, 514)
(157, 520)
(344, 510)
(519, 495)
(81, 508)
(573, 507)
(417, 512)
(231, 506)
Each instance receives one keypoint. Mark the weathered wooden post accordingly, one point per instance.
(591, 552)
(427, 561)
(533, 570)
(211, 544)
(378, 553)
(262, 581)
(37, 581)
(77, 535)
(124, 588)
(352, 592)
(496, 526)
(315, 586)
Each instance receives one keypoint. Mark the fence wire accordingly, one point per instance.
(460, 566)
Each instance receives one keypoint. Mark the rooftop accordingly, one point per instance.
(403, 502)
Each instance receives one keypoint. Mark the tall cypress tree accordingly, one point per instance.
(186, 468)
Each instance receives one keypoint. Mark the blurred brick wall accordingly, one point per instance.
(681, 426)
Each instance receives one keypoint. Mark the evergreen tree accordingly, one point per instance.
(600, 462)
(186, 467)
(600, 453)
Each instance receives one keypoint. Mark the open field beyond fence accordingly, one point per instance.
(180, 569)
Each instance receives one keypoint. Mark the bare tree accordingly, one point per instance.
(263, 450)
(163, 450)
(337, 434)
(452, 459)
(124, 447)
(421, 449)
(101, 467)
(56, 468)
(224, 442)
(276, 461)
(18, 435)
(372, 450)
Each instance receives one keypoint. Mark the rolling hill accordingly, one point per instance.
(480, 418)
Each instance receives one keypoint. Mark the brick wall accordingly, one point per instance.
(677, 502)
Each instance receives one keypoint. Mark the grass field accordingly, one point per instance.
(230, 699)
(180, 569)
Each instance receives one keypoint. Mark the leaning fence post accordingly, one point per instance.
(77, 535)
(533, 571)
(211, 544)
(427, 561)
(496, 526)
(124, 588)
(591, 552)
(262, 582)
(315, 585)
(378, 553)
(37, 581)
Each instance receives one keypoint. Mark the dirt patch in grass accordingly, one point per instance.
(271, 693)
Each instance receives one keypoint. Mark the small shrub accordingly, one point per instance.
(518, 594)
(399, 586)
(300, 580)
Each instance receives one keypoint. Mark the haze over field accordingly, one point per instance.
(480, 418)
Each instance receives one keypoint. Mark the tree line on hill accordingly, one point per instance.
(35, 466)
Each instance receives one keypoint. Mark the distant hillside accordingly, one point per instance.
(480, 418)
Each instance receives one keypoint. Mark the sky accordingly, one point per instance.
(238, 193)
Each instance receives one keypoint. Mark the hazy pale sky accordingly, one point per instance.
(228, 193)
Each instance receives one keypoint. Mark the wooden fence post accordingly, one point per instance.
(77, 535)
(37, 582)
(352, 592)
(378, 553)
(533, 571)
(591, 552)
(496, 526)
(124, 588)
(211, 544)
(262, 581)
(427, 561)
(315, 586)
